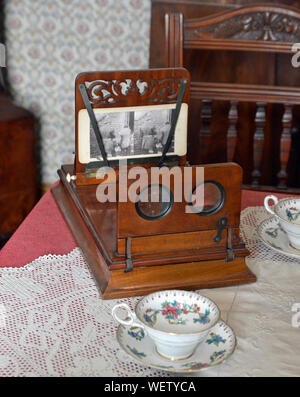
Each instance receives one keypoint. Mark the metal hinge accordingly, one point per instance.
(222, 223)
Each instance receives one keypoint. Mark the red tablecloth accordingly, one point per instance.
(45, 231)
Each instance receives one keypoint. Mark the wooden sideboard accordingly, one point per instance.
(18, 175)
(19, 187)
(227, 67)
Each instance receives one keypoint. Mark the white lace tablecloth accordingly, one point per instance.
(53, 321)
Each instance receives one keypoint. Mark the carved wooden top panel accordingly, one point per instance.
(103, 92)
(255, 23)
(132, 88)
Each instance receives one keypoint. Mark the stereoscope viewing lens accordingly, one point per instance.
(213, 200)
(154, 202)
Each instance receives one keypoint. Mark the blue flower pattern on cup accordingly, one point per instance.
(292, 213)
(151, 316)
(203, 318)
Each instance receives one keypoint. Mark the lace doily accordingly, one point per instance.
(53, 321)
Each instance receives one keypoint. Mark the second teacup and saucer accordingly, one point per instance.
(281, 232)
(274, 236)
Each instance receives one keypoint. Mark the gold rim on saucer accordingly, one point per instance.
(291, 245)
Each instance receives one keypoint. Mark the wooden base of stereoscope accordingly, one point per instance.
(129, 252)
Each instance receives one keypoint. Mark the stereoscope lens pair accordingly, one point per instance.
(156, 201)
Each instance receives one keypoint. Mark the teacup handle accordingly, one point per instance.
(133, 321)
(266, 203)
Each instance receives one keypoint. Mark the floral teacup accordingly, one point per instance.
(288, 213)
(177, 321)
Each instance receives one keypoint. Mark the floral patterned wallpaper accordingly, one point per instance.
(49, 42)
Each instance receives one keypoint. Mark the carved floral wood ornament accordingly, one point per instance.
(103, 92)
(256, 22)
(270, 26)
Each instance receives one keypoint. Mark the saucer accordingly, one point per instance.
(217, 347)
(272, 234)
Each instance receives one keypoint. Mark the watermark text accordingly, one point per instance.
(132, 183)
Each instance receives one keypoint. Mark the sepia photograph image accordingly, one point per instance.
(137, 132)
(132, 133)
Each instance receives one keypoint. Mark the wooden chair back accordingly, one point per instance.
(259, 28)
